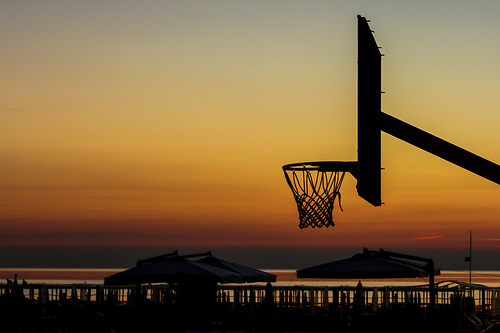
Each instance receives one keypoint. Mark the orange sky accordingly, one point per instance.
(167, 124)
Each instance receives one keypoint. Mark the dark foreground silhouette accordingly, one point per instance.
(181, 308)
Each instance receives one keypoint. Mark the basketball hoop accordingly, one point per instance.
(315, 186)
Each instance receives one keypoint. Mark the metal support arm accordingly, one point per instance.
(440, 147)
(430, 268)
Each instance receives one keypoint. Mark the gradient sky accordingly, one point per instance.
(166, 123)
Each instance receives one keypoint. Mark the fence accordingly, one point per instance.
(449, 294)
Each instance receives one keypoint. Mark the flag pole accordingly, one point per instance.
(470, 256)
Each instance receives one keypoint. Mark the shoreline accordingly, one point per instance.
(284, 276)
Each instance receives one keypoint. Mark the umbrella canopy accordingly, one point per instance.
(367, 265)
(249, 274)
(175, 270)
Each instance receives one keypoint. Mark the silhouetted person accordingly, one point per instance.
(359, 297)
(14, 308)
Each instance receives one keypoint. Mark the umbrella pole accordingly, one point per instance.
(138, 294)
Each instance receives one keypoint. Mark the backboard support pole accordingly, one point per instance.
(439, 147)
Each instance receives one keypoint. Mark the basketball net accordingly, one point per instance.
(315, 191)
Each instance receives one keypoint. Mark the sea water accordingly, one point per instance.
(58, 275)
(284, 277)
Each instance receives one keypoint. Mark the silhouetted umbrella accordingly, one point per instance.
(368, 265)
(249, 274)
(175, 270)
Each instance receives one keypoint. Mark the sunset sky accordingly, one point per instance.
(165, 124)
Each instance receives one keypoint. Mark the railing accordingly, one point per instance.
(250, 307)
(449, 293)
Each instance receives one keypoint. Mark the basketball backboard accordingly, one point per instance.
(316, 185)
(369, 110)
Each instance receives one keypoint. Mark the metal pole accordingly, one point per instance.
(470, 256)
(440, 147)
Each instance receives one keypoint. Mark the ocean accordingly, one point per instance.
(284, 277)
